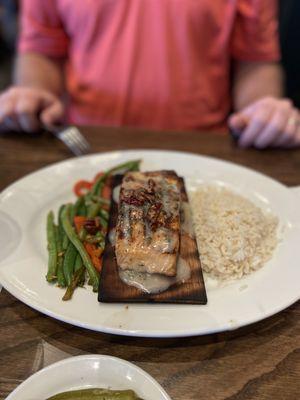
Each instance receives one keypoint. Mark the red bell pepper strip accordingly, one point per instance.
(82, 187)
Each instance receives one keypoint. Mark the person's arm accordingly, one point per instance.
(43, 44)
(39, 71)
(255, 80)
(262, 116)
(35, 96)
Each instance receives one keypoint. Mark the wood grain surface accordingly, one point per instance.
(261, 361)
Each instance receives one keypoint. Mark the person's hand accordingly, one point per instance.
(24, 109)
(267, 122)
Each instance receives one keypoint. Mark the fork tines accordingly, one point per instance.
(74, 139)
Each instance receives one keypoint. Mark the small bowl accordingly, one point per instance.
(85, 372)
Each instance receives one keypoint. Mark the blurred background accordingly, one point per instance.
(289, 19)
(8, 34)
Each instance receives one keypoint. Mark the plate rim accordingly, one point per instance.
(86, 357)
(142, 332)
(126, 151)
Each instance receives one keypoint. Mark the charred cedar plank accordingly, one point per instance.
(113, 290)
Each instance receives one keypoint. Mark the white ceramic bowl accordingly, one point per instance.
(88, 371)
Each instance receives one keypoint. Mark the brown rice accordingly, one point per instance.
(234, 236)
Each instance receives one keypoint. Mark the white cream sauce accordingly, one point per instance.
(162, 241)
(156, 283)
(116, 194)
(112, 236)
(186, 219)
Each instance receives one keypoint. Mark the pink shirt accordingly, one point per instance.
(163, 64)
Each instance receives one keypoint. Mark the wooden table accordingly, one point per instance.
(261, 361)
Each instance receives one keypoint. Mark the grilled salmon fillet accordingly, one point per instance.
(148, 226)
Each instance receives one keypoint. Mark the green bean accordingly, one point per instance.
(70, 250)
(65, 242)
(124, 167)
(96, 189)
(82, 234)
(52, 248)
(60, 257)
(77, 206)
(103, 221)
(88, 198)
(96, 394)
(88, 203)
(78, 265)
(65, 239)
(104, 214)
(98, 238)
(94, 240)
(59, 214)
(82, 210)
(93, 210)
(101, 200)
(76, 278)
(69, 262)
(78, 262)
(72, 212)
(69, 230)
(133, 165)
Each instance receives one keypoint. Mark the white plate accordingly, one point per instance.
(23, 255)
(85, 372)
(296, 190)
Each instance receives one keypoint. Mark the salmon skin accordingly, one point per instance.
(148, 225)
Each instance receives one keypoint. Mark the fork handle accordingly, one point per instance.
(54, 129)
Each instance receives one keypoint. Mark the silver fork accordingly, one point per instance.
(71, 137)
